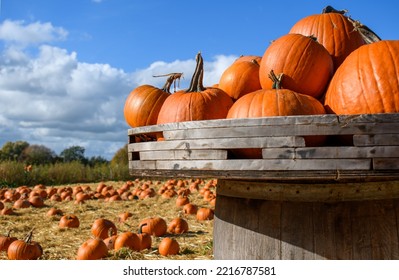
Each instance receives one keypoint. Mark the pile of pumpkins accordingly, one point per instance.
(328, 63)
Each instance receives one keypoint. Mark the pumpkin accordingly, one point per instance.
(54, 212)
(92, 249)
(178, 226)
(5, 241)
(69, 221)
(333, 30)
(182, 200)
(127, 240)
(204, 213)
(1, 205)
(190, 209)
(36, 201)
(145, 239)
(195, 103)
(367, 82)
(276, 102)
(110, 242)
(168, 246)
(7, 211)
(21, 203)
(24, 249)
(122, 217)
(153, 226)
(240, 78)
(144, 102)
(103, 228)
(307, 66)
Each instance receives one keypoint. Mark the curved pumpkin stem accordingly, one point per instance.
(172, 78)
(197, 79)
(368, 35)
(141, 228)
(29, 236)
(277, 80)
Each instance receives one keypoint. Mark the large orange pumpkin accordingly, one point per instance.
(275, 102)
(197, 102)
(333, 30)
(240, 78)
(307, 66)
(144, 102)
(367, 82)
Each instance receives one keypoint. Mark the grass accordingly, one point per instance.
(62, 244)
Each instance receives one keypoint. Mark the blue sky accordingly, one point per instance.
(67, 66)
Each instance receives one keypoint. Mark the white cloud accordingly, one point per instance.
(53, 99)
(33, 33)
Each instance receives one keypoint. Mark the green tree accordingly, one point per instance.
(38, 154)
(121, 157)
(13, 150)
(93, 161)
(74, 153)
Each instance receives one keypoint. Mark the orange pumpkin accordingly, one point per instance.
(92, 249)
(240, 78)
(5, 241)
(307, 66)
(367, 82)
(144, 102)
(103, 228)
(195, 103)
(69, 221)
(153, 226)
(129, 240)
(333, 30)
(25, 249)
(168, 246)
(178, 226)
(205, 213)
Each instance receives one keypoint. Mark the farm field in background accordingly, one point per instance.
(63, 243)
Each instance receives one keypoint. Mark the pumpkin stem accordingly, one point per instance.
(141, 228)
(330, 9)
(172, 78)
(28, 237)
(197, 79)
(277, 80)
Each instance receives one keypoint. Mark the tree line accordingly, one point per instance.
(34, 154)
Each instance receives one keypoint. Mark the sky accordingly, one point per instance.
(67, 66)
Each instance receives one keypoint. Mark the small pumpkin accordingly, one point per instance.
(92, 249)
(168, 246)
(306, 64)
(21, 203)
(154, 226)
(197, 102)
(110, 242)
(25, 249)
(122, 217)
(5, 241)
(69, 221)
(54, 212)
(103, 228)
(181, 200)
(190, 209)
(128, 240)
(145, 239)
(36, 201)
(178, 226)
(204, 214)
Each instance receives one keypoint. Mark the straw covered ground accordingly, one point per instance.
(63, 243)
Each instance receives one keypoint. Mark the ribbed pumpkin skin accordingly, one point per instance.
(240, 78)
(92, 249)
(333, 31)
(143, 104)
(275, 102)
(367, 82)
(211, 103)
(307, 66)
(22, 250)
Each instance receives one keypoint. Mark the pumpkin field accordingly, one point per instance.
(62, 218)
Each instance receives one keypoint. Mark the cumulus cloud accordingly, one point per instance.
(53, 99)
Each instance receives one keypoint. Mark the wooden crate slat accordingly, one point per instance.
(331, 152)
(279, 130)
(183, 154)
(386, 163)
(257, 164)
(229, 143)
(376, 140)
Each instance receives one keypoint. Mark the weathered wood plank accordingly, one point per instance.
(316, 192)
(386, 163)
(229, 143)
(331, 152)
(267, 164)
(281, 130)
(376, 140)
(183, 154)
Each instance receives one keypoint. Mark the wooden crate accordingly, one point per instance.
(296, 202)
(203, 148)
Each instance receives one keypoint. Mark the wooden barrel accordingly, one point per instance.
(338, 201)
(255, 220)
